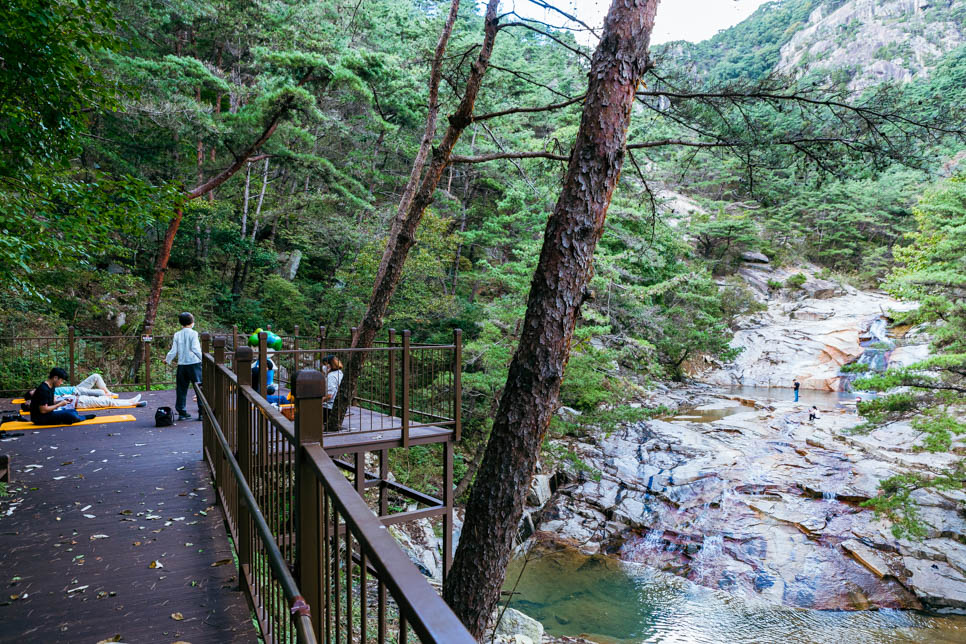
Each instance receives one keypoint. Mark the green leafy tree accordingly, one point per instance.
(933, 391)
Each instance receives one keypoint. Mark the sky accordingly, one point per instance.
(693, 20)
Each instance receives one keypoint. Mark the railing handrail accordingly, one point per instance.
(427, 613)
(275, 559)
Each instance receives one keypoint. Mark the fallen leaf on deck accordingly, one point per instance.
(116, 638)
(155, 564)
(86, 508)
(221, 562)
(57, 478)
(90, 516)
(177, 617)
(79, 589)
(125, 512)
(67, 463)
(180, 468)
(99, 536)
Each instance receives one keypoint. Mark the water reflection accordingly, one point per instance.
(611, 602)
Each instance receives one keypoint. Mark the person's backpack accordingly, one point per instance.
(164, 417)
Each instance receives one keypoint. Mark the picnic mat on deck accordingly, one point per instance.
(23, 424)
(86, 409)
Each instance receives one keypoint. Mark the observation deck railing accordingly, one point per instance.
(318, 563)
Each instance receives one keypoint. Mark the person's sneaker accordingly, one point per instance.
(142, 403)
(135, 400)
(90, 416)
(199, 417)
(184, 416)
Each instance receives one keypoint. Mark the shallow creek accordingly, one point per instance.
(623, 600)
(611, 602)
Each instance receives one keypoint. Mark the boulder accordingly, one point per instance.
(935, 583)
(290, 264)
(539, 490)
(513, 623)
(755, 257)
(821, 289)
(871, 558)
(568, 414)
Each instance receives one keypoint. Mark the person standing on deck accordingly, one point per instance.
(797, 386)
(186, 349)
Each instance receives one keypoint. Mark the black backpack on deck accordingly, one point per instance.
(164, 417)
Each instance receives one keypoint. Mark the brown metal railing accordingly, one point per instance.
(26, 360)
(403, 386)
(284, 486)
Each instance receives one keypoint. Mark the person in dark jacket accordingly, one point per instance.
(44, 410)
(797, 387)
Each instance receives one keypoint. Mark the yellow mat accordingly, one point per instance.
(17, 401)
(82, 410)
(22, 424)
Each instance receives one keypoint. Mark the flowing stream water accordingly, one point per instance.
(611, 602)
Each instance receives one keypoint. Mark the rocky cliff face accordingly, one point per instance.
(766, 503)
(806, 334)
(891, 40)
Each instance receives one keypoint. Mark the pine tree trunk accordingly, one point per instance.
(556, 293)
(403, 233)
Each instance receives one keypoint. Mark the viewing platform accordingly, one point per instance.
(123, 518)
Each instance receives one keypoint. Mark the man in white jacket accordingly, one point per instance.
(186, 350)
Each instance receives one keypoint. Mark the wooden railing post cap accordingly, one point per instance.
(309, 383)
(243, 354)
(219, 341)
(205, 336)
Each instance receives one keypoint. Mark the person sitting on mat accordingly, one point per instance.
(333, 378)
(87, 402)
(92, 385)
(44, 410)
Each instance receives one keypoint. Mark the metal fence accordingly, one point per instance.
(25, 361)
(289, 507)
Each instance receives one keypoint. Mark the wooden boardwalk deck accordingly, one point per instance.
(148, 491)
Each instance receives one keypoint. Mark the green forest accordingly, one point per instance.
(275, 141)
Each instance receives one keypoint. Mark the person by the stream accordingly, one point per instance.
(812, 413)
(797, 386)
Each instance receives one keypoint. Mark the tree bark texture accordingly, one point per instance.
(403, 236)
(563, 272)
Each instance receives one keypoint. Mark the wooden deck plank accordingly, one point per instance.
(115, 468)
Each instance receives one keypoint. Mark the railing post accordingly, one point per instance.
(262, 362)
(147, 339)
(234, 337)
(309, 389)
(392, 373)
(448, 504)
(218, 344)
(457, 383)
(405, 389)
(243, 369)
(208, 388)
(70, 353)
(295, 356)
